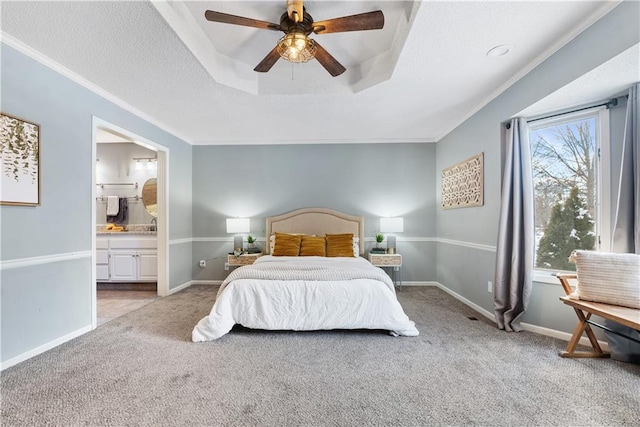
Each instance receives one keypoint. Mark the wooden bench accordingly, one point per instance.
(584, 309)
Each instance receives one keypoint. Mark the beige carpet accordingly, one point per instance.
(142, 369)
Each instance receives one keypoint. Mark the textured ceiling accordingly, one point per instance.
(609, 79)
(369, 56)
(441, 76)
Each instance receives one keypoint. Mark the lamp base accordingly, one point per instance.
(391, 244)
(237, 241)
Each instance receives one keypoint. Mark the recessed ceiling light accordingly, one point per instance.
(500, 50)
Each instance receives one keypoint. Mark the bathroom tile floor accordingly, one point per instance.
(112, 304)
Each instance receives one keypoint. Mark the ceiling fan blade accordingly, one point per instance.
(268, 61)
(225, 18)
(295, 10)
(328, 62)
(363, 21)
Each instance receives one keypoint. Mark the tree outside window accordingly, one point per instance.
(564, 157)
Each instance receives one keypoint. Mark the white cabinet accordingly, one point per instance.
(123, 265)
(102, 260)
(148, 265)
(130, 259)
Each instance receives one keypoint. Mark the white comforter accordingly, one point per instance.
(306, 293)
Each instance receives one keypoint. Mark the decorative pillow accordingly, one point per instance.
(609, 278)
(340, 245)
(313, 246)
(356, 247)
(272, 240)
(286, 244)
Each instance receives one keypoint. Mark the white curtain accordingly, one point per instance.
(514, 263)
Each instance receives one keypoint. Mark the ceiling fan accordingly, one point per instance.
(297, 25)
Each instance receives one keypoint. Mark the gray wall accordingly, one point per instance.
(482, 132)
(46, 301)
(371, 180)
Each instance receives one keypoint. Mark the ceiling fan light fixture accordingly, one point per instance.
(296, 47)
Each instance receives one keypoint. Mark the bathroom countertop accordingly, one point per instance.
(129, 229)
(126, 233)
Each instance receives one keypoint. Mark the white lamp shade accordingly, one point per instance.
(392, 225)
(238, 225)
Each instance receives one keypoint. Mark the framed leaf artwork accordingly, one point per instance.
(20, 161)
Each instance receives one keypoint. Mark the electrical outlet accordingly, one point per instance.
(489, 286)
(203, 263)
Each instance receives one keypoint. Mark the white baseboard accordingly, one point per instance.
(45, 347)
(179, 288)
(206, 282)
(194, 282)
(406, 283)
(526, 326)
(560, 335)
(486, 313)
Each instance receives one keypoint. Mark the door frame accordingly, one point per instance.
(163, 206)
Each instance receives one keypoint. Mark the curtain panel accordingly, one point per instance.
(515, 252)
(626, 231)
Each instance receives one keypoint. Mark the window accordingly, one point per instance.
(569, 174)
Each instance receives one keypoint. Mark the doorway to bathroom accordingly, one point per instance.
(129, 222)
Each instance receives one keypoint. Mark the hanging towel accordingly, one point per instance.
(113, 205)
(122, 212)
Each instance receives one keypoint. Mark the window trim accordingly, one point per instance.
(604, 182)
(548, 276)
(603, 179)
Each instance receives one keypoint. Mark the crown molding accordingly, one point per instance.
(552, 49)
(76, 78)
(320, 141)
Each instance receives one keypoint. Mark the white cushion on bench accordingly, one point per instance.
(608, 278)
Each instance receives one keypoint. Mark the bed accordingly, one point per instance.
(303, 293)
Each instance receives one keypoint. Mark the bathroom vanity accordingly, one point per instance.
(130, 256)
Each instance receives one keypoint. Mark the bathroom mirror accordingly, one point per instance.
(150, 196)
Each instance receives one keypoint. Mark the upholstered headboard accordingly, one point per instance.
(318, 221)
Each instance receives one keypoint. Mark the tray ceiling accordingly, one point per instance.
(230, 52)
(414, 81)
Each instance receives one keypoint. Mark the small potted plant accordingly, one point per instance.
(251, 241)
(379, 239)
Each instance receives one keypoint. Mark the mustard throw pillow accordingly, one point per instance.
(340, 245)
(287, 244)
(313, 246)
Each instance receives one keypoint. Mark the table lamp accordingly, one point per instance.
(391, 225)
(237, 226)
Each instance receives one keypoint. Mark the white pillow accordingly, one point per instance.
(609, 278)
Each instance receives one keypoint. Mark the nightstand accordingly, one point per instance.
(393, 261)
(238, 261)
